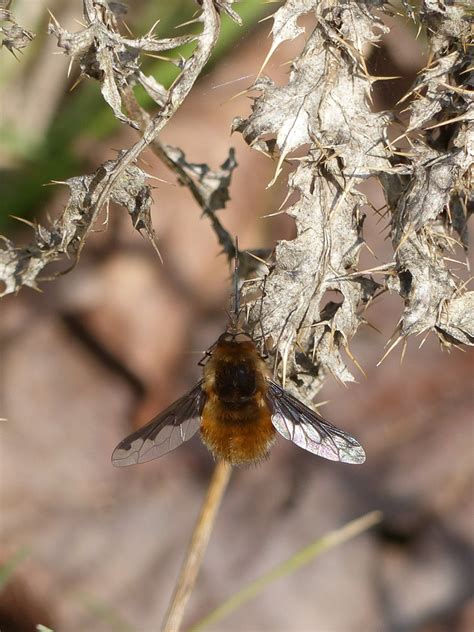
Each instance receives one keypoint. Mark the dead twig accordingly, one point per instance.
(197, 547)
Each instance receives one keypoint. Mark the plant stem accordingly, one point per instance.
(197, 547)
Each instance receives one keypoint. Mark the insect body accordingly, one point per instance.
(236, 420)
(239, 410)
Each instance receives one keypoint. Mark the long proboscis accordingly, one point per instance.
(236, 305)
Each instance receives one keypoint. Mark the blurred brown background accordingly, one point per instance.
(88, 547)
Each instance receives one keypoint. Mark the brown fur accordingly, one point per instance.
(237, 435)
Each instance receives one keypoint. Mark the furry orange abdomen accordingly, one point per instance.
(243, 435)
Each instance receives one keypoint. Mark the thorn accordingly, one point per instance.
(152, 238)
(76, 83)
(267, 17)
(280, 208)
(56, 23)
(278, 170)
(369, 324)
(254, 256)
(52, 182)
(382, 269)
(373, 79)
(424, 339)
(193, 21)
(404, 98)
(69, 68)
(462, 117)
(273, 48)
(319, 404)
(370, 250)
(391, 143)
(353, 358)
(237, 95)
(84, 26)
(462, 263)
(160, 180)
(150, 32)
(127, 28)
(456, 89)
(107, 209)
(160, 57)
(272, 214)
(23, 221)
(284, 358)
(228, 83)
(389, 350)
(404, 348)
(452, 239)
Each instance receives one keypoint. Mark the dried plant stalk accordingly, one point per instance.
(13, 36)
(325, 105)
(431, 204)
(104, 54)
(197, 547)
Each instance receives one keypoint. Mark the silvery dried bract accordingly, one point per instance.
(210, 187)
(113, 60)
(65, 236)
(324, 107)
(226, 6)
(431, 205)
(12, 36)
(103, 54)
(322, 123)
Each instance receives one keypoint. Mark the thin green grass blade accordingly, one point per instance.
(296, 561)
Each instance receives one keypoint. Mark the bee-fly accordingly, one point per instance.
(238, 408)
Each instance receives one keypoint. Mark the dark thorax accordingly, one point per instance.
(235, 382)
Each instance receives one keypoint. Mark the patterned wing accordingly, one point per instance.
(301, 425)
(168, 430)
